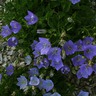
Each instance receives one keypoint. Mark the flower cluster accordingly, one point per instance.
(40, 48)
(6, 31)
(36, 81)
(43, 48)
(15, 27)
(83, 62)
(45, 56)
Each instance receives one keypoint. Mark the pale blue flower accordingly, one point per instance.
(22, 82)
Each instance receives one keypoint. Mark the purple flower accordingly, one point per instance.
(75, 1)
(34, 81)
(44, 46)
(55, 94)
(39, 62)
(36, 52)
(31, 18)
(48, 85)
(12, 41)
(10, 70)
(15, 26)
(90, 51)
(47, 94)
(45, 62)
(79, 75)
(5, 31)
(33, 71)
(34, 44)
(40, 86)
(80, 46)
(88, 41)
(28, 59)
(78, 60)
(83, 93)
(22, 82)
(70, 47)
(0, 77)
(84, 71)
(57, 65)
(65, 69)
(54, 54)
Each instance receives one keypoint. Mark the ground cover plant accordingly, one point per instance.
(55, 40)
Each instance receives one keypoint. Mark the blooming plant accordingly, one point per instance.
(50, 68)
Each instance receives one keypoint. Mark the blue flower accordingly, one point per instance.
(28, 59)
(40, 86)
(10, 70)
(33, 44)
(22, 82)
(79, 74)
(75, 1)
(33, 71)
(31, 18)
(80, 46)
(48, 85)
(57, 65)
(70, 47)
(65, 69)
(15, 26)
(34, 81)
(6, 31)
(12, 41)
(88, 41)
(39, 62)
(84, 71)
(45, 62)
(78, 60)
(44, 46)
(83, 93)
(54, 54)
(36, 52)
(90, 51)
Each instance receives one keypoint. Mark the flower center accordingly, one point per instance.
(23, 82)
(15, 26)
(7, 31)
(88, 50)
(80, 47)
(78, 59)
(55, 51)
(31, 19)
(69, 48)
